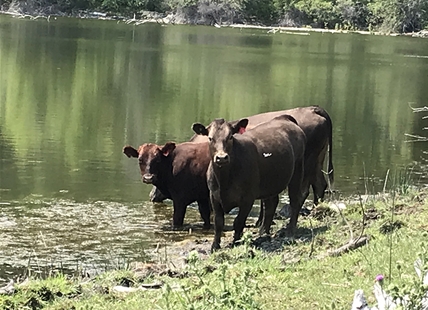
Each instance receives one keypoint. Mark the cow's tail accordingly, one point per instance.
(330, 168)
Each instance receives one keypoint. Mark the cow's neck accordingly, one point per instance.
(165, 173)
(223, 175)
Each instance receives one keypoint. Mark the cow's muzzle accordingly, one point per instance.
(148, 178)
(221, 159)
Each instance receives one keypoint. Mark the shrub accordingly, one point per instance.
(289, 15)
(217, 12)
(399, 15)
(260, 10)
(320, 13)
(207, 12)
(353, 13)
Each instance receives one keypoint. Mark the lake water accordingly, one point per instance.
(74, 92)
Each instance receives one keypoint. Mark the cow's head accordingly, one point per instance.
(150, 157)
(220, 137)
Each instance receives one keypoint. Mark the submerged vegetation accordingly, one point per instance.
(380, 15)
(277, 274)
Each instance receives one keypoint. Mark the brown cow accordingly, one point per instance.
(258, 164)
(317, 126)
(179, 171)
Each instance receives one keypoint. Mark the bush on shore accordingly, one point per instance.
(380, 15)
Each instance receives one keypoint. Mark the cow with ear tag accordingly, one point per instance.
(318, 128)
(179, 171)
(257, 164)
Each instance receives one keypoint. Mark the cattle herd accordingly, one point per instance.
(231, 164)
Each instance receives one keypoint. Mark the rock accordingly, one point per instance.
(286, 211)
(339, 206)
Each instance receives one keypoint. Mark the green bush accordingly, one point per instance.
(319, 13)
(399, 15)
(263, 11)
(353, 13)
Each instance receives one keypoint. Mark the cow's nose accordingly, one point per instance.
(221, 159)
(148, 178)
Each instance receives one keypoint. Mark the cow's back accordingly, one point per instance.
(279, 143)
(314, 125)
(310, 119)
(307, 118)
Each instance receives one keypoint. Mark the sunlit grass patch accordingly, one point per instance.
(37, 294)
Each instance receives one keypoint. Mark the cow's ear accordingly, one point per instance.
(168, 148)
(240, 126)
(200, 129)
(130, 151)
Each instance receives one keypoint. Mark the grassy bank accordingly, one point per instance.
(276, 274)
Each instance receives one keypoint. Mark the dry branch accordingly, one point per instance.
(351, 245)
(415, 138)
(417, 110)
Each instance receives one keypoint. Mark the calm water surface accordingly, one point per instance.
(74, 92)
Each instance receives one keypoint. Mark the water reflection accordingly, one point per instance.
(74, 92)
(64, 232)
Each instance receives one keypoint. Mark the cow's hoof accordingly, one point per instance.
(206, 226)
(233, 244)
(215, 247)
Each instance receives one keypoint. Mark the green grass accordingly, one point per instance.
(299, 275)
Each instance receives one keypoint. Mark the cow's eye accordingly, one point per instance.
(210, 139)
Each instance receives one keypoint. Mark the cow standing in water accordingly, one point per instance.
(188, 170)
(258, 164)
(179, 171)
(317, 126)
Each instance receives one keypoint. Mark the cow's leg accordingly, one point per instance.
(239, 222)
(306, 184)
(269, 212)
(319, 184)
(178, 216)
(296, 197)
(205, 211)
(218, 223)
(156, 195)
(308, 176)
(261, 214)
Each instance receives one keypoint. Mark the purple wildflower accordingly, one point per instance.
(379, 278)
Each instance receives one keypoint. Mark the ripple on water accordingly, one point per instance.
(60, 232)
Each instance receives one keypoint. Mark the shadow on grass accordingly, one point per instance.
(279, 240)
